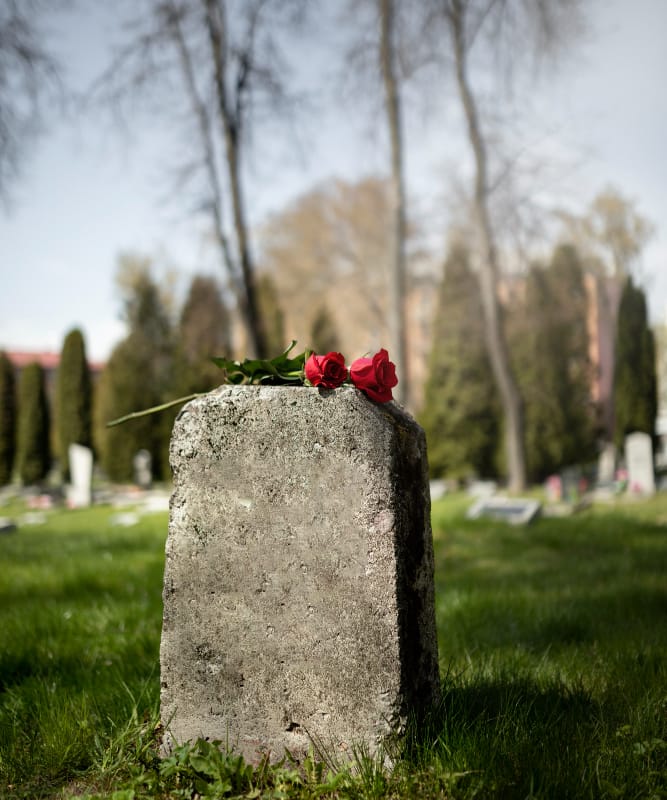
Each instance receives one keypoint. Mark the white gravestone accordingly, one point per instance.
(143, 473)
(639, 461)
(607, 464)
(80, 491)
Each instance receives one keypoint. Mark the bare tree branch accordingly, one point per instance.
(29, 79)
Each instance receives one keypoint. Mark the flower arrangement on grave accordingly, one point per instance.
(374, 375)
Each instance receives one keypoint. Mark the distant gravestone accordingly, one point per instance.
(515, 510)
(554, 488)
(639, 463)
(607, 464)
(143, 471)
(7, 525)
(80, 492)
(298, 589)
(571, 484)
(482, 489)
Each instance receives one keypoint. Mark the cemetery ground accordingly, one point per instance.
(553, 649)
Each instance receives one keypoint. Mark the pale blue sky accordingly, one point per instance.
(86, 195)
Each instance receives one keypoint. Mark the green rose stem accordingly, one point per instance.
(154, 409)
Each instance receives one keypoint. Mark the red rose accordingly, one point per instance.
(328, 371)
(375, 376)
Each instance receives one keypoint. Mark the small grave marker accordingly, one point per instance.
(607, 465)
(515, 510)
(80, 492)
(7, 525)
(639, 462)
(143, 469)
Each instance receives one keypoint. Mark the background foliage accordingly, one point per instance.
(74, 398)
(33, 447)
(7, 419)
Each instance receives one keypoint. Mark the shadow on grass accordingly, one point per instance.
(508, 737)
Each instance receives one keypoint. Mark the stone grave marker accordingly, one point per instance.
(639, 463)
(482, 489)
(607, 465)
(515, 510)
(7, 525)
(143, 469)
(554, 488)
(298, 590)
(79, 493)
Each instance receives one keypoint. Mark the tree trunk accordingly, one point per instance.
(496, 342)
(397, 276)
(204, 125)
(231, 124)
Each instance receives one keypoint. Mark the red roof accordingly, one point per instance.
(45, 359)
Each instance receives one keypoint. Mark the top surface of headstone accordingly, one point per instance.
(298, 583)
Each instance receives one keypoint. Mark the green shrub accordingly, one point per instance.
(34, 456)
(7, 419)
(635, 385)
(73, 398)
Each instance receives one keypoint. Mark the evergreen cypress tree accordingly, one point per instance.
(203, 332)
(140, 373)
(125, 387)
(73, 393)
(635, 384)
(324, 336)
(34, 457)
(272, 314)
(550, 352)
(461, 414)
(7, 419)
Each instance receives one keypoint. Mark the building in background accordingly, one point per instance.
(49, 362)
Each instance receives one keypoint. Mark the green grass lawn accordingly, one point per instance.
(553, 646)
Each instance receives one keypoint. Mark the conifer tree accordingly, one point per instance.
(34, 457)
(635, 385)
(73, 393)
(550, 351)
(272, 314)
(140, 374)
(461, 413)
(7, 419)
(203, 332)
(125, 387)
(324, 336)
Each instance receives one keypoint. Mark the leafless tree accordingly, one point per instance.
(28, 80)
(218, 64)
(397, 278)
(380, 58)
(455, 25)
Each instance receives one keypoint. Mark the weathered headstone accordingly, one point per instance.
(607, 464)
(554, 488)
(482, 489)
(639, 462)
(515, 510)
(7, 525)
(571, 480)
(143, 469)
(80, 492)
(298, 593)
